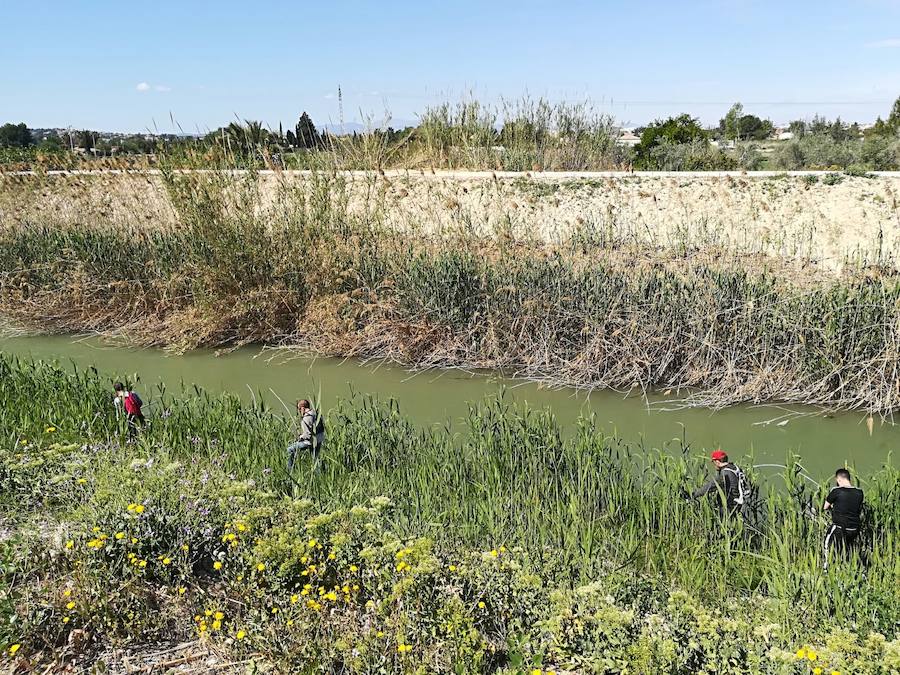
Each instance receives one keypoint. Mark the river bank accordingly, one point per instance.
(309, 269)
(513, 547)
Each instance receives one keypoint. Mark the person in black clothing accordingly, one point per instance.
(845, 503)
(727, 485)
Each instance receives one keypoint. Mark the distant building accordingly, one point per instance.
(627, 138)
(784, 135)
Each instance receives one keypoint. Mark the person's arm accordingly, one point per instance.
(707, 487)
(829, 501)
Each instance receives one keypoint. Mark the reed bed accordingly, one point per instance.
(305, 269)
(578, 513)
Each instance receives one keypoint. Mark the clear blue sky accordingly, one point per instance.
(127, 66)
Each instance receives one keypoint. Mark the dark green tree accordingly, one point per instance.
(674, 130)
(86, 140)
(753, 128)
(15, 136)
(306, 134)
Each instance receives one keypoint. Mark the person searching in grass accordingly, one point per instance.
(845, 503)
(130, 403)
(728, 486)
(312, 433)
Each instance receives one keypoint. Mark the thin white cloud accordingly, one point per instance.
(162, 87)
(890, 43)
(143, 86)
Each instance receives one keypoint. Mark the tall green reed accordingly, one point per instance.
(510, 477)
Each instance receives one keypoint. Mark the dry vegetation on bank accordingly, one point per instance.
(334, 266)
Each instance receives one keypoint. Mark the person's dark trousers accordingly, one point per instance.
(841, 540)
(134, 423)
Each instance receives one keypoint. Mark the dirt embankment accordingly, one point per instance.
(827, 219)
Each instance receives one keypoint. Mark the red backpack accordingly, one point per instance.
(133, 403)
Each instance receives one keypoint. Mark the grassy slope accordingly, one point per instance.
(568, 554)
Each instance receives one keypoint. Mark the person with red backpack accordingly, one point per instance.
(130, 404)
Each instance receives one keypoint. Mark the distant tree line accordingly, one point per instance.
(534, 136)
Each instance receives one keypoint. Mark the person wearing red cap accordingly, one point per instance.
(729, 484)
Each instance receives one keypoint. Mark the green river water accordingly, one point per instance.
(769, 433)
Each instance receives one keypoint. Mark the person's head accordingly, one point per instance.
(842, 477)
(119, 388)
(719, 458)
(302, 406)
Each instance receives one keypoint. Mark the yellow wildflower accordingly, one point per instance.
(801, 653)
(167, 561)
(216, 625)
(120, 535)
(143, 563)
(70, 544)
(481, 605)
(312, 543)
(50, 430)
(67, 592)
(452, 568)
(404, 648)
(139, 509)
(331, 595)
(14, 648)
(354, 568)
(811, 655)
(260, 567)
(217, 565)
(66, 619)
(132, 506)
(182, 590)
(294, 599)
(537, 671)
(134, 540)
(240, 635)
(817, 671)
(82, 481)
(70, 605)
(494, 553)
(290, 622)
